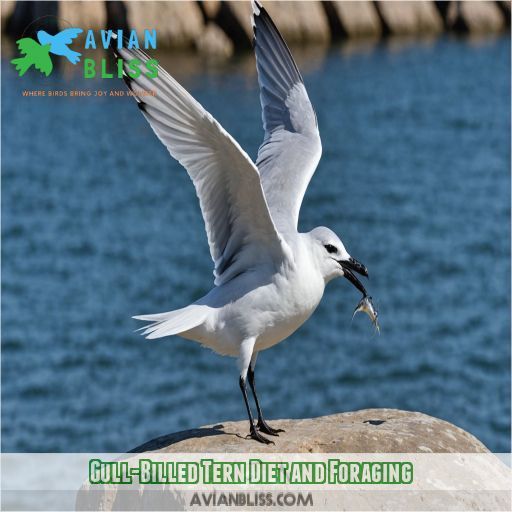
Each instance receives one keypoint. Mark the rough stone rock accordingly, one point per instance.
(213, 42)
(358, 19)
(179, 24)
(366, 431)
(475, 17)
(407, 18)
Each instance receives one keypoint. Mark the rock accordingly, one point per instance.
(308, 23)
(407, 18)
(185, 24)
(475, 17)
(210, 8)
(234, 20)
(214, 43)
(310, 26)
(6, 9)
(366, 431)
(179, 24)
(356, 19)
(83, 14)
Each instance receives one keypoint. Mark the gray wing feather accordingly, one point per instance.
(291, 146)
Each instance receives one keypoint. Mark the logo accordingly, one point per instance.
(38, 53)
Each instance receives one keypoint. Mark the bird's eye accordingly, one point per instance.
(330, 248)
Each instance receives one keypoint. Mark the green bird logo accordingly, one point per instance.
(35, 54)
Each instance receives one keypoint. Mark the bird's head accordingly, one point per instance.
(43, 37)
(332, 258)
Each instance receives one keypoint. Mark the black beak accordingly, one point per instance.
(353, 265)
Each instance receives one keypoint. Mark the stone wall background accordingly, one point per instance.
(219, 28)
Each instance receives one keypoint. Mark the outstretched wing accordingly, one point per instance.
(67, 35)
(291, 146)
(240, 230)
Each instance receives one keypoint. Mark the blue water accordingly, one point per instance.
(100, 224)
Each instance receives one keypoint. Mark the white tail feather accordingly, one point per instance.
(173, 322)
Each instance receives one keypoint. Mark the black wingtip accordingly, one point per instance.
(264, 17)
(259, 11)
(111, 43)
(267, 24)
(256, 12)
(256, 7)
(127, 80)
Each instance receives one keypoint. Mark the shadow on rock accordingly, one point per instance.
(164, 441)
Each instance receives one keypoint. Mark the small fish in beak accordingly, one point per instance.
(366, 305)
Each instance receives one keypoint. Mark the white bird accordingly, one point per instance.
(269, 278)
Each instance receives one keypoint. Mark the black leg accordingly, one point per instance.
(262, 424)
(253, 432)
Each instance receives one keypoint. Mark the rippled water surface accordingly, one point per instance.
(100, 224)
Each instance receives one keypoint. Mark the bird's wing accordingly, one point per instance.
(291, 147)
(240, 230)
(67, 35)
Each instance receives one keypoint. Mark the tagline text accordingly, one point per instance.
(86, 93)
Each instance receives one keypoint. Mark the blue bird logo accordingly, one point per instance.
(59, 43)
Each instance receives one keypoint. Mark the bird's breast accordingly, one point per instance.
(296, 296)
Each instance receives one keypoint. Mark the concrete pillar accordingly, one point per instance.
(354, 19)
(475, 17)
(409, 17)
(87, 14)
(179, 24)
(214, 43)
(297, 21)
